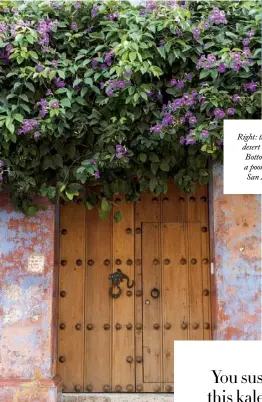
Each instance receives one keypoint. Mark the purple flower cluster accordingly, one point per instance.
(74, 26)
(188, 99)
(231, 111)
(156, 129)
(196, 33)
(177, 83)
(44, 29)
(94, 11)
(206, 62)
(28, 126)
(59, 83)
(113, 17)
(219, 113)
(236, 98)
(107, 61)
(250, 86)
(115, 85)
(189, 139)
(251, 33)
(120, 151)
(5, 54)
(43, 104)
(217, 16)
(167, 120)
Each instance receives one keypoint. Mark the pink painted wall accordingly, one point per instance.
(27, 310)
(237, 257)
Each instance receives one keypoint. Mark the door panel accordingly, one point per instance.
(123, 362)
(98, 304)
(71, 297)
(125, 343)
(175, 292)
(152, 317)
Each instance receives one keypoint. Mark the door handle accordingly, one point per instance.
(116, 278)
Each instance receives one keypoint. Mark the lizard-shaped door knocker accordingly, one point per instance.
(116, 278)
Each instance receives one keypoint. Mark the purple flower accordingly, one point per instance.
(109, 92)
(182, 120)
(231, 111)
(37, 134)
(93, 161)
(54, 63)
(167, 120)
(178, 32)
(28, 125)
(102, 85)
(206, 25)
(196, 33)
(251, 86)
(55, 104)
(2, 163)
(190, 140)
(219, 113)
(156, 129)
(251, 33)
(246, 51)
(94, 64)
(173, 82)
(94, 11)
(49, 92)
(192, 120)
(180, 84)
(182, 140)
(1, 177)
(9, 47)
(161, 43)
(39, 68)
(236, 98)
(74, 25)
(121, 84)
(113, 16)
(246, 42)
(119, 148)
(204, 133)
(236, 67)
(149, 94)
(59, 83)
(143, 12)
(89, 28)
(78, 4)
(188, 76)
(222, 67)
(217, 16)
(43, 112)
(97, 175)
(189, 114)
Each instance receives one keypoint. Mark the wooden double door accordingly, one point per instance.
(119, 337)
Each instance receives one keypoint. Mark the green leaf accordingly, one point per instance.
(31, 211)
(81, 101)
(19, 117)
(204, 74)
(89, 206)
(33, 54)
(132, 56)
(156, 71)
(105, 206)
(152, 184)
(19, 37)
(164, 166)
(61, 74)
(52, 74)
(58, 160)
(118, 215)
(143, 157)
(89, 81)
(24, 97)
(30, 86)
(153, 157)
(65, 102)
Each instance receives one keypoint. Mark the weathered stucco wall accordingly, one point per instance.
(237, 257)
(27, 309)
(28, 301)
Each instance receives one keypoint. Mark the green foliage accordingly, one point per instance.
(89, 95)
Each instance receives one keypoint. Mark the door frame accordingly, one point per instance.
(213, 306)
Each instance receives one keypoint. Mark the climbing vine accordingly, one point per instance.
(120, 96)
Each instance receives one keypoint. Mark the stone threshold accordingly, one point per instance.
(118, 398)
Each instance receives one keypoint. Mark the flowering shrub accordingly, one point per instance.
(121, 96)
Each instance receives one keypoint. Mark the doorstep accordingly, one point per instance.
(118, 398)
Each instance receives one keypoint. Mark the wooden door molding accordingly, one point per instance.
(125, 344)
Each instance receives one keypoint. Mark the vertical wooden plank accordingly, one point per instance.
(174, 204)
(195, 281)
(175, 293)
(152, 320)
(123, 307)
(147, 210)
(205, 249)
(71, 303)
(98, 303)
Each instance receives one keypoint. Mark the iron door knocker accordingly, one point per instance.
(116, 278)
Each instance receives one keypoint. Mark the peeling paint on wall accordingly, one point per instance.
(237, 243)
(27, 335)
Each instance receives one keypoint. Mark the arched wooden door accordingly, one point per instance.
(125, 343)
